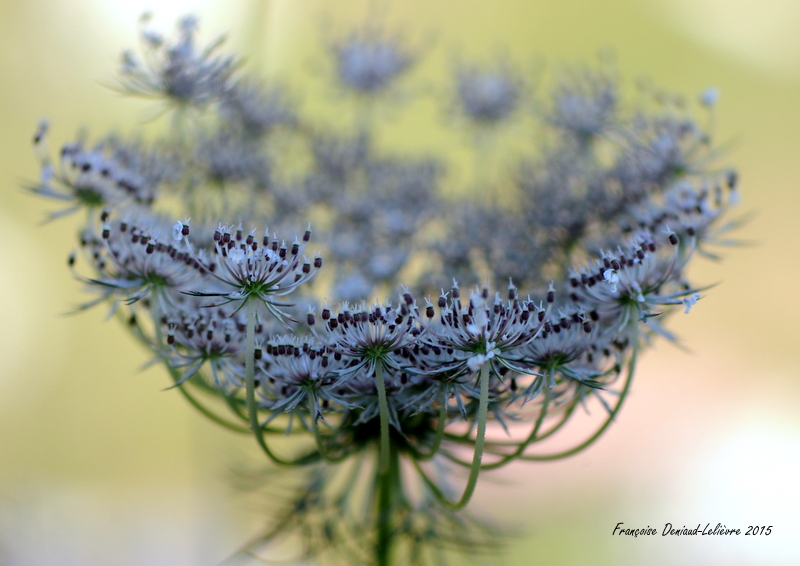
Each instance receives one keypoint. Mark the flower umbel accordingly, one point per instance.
(600, 225)
(271, 269)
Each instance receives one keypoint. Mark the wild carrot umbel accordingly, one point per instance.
(495, 315)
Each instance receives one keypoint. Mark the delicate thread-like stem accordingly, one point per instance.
(520, 446)
(623, 394)
(483, 413)
(383, 405)
(531, 437)
(207, 412)
(437, 440)
(494, 446)
(387, 480)
(323, 451)
(252, 408)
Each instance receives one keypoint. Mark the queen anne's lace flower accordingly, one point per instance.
(483, 332)
(585, 104)
(210, 338)
(610, 211)
(107, 175)
(177, 69)
(262, 270)
(368, 335)
(295, 373)
(368, 62)
(488, 95)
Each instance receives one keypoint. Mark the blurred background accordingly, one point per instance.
(99, 466)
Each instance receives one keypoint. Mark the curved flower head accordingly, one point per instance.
(108, 175)
(585, 104)
(259, 270)
(629, 195)
(369, 334)
(635, 283)
(488, 95)
(484, 332)
(137, 261)
(177, 69)
(368, 62)
(564, 341)
(300, 371)
(207, 338)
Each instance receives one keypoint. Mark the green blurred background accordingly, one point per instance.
(99, 466)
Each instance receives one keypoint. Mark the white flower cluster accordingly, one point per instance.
(610, 211)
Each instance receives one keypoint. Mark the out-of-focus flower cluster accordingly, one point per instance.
(496, 313)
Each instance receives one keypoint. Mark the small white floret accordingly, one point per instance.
(477, 361)
(690, 301)
(709, 97)
(612, 278)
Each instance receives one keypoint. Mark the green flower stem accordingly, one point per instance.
(520, 446)
(323, 451)
(384, 415)
(237, 406)
(483, 413)
(437, 440)
(523, 445)
(252, 408)
(389, 491)
(560, 423)
(139, 335)
(623, 394)
(493, 446)
(204, 410)
(460, 437)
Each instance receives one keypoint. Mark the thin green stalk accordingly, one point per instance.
(531, 437)
(483, 413)
(384, 415)
(208, 413)
(560, 423)
(236, 409)
(623, 394)
(520, 446)
(437, 440)
(252, 408)
(323, 451)
(492, 446)
(236, 404)
(139, 335)
(387, 480)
